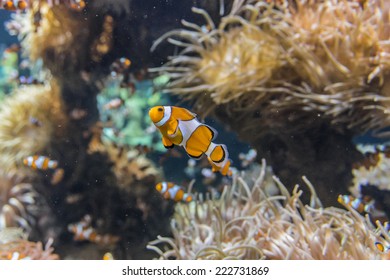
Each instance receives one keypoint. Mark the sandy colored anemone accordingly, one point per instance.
(328, 59)
(19, 202)
(247, 223)
(28, 120)
(58, 34)
(223, 66)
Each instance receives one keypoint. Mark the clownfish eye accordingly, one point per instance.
(160, 109)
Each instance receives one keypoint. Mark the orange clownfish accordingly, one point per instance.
(83, 231)
(13, 5)
(362, 205)
(179, 126)
(40, 162)
(356, 203)
(382, 248)
(172, 191)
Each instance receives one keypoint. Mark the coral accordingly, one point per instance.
(287, 65)
(247, 223)
(130, 122)
(130, 166)
(8, 71)
(17, 128)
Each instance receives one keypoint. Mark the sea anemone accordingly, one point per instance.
(247, 223)
(287, 64)
(58, 34)
(29, 119)
(14, 246)
(19, 202)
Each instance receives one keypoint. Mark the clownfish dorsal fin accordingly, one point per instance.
(182, 114)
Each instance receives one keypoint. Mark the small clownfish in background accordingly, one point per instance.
(248, 158)
(113, 104)
(108, 257)
(12, 5)
(172, 191)
(381, 247)
(40, 162)
(83, 231)
(356, 203)
(179, 126)
(362, 205)
(77, 5)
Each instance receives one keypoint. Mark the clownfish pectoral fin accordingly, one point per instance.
(182, 114)
(167, 143)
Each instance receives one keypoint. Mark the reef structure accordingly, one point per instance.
(251, 223)
(296, 79)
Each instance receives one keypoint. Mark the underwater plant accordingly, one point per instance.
(249, 223)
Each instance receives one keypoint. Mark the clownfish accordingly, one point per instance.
(362, 205)
(382, 248)
(83, 231)
(40, 162)
(172, 191)
(13, 5)
(179, 126)
(108, 257)
(113, 104)
(77, 5)
(248, 158)
(356, 203)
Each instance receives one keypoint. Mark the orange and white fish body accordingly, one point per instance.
(83, 231)
(174, 192)
(360, 205)
(180, 127)
(40, 162)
